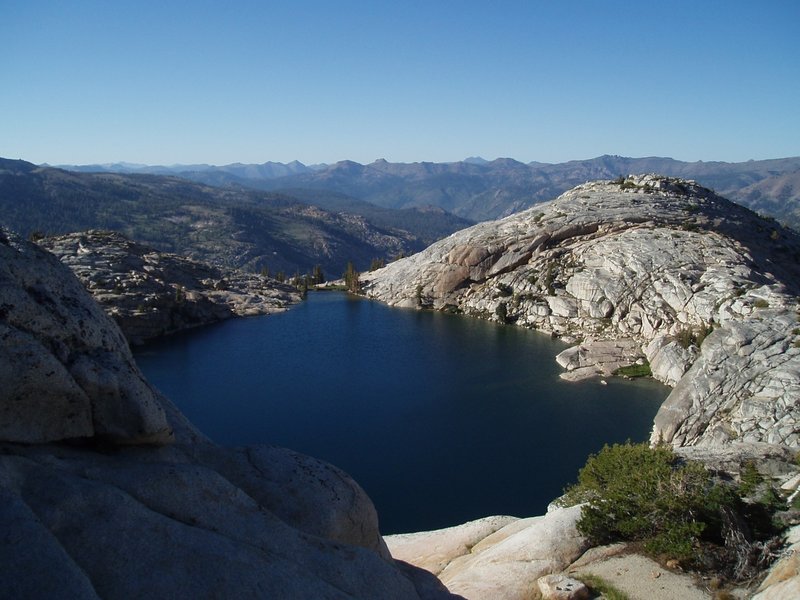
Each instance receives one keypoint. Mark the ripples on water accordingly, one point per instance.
(441, 418)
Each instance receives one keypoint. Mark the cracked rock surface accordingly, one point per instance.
(642, 269)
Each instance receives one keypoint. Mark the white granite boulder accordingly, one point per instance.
(484, 561)
(65, 368)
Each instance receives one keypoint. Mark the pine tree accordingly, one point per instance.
(317, 276)
(351, 279)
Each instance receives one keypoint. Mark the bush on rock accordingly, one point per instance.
(676, 508)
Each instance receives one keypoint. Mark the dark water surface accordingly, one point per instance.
(440, 418)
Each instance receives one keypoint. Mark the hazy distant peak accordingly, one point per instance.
(476, 160)
(506, 162)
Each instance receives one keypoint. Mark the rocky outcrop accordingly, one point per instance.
(95, 503)
(496, 557)
(65, 369)
(189, 522)
(645, 269)
(151, 293)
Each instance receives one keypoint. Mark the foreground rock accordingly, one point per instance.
(96, 503)
(498, 557)
(647, 270)
(65, 369)
(151, 293)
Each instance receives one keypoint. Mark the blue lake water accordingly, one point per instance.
(441, 418)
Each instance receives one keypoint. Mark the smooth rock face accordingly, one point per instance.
(151, 293)
(640, 577)
(65, 369)
(487, 562)
(157, 523)
(309, 494)
(647, 266)
(434, 550)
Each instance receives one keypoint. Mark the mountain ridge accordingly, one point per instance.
(235, 227)
(479, 189)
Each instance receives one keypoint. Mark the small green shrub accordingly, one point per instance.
(749, 479)
(601, 587)
(502, 312)
(637, 493)
(633, 371)
(761, 303)
(693, 337)
(504, 290)
(676, 509)
(549, 278)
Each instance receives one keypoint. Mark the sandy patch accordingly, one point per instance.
(643, 579)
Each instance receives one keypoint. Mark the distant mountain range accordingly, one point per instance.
(290, 217)
(233, 227)
(477, 189)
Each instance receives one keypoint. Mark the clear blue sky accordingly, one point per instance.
(219, 82)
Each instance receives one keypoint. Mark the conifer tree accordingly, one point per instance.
(317, 276)
(351, 279)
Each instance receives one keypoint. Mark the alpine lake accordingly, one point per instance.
(441, 418)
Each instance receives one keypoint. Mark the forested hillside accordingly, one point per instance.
(241, 228)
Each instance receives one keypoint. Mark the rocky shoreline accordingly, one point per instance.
(645, 270)
(150, 293)
(648, 273)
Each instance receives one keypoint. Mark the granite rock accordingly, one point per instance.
(151, 293)
(65, 368)
(95, 504)
(486, 559)
(703, 289)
